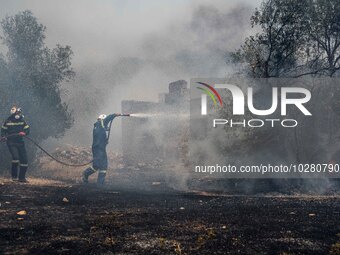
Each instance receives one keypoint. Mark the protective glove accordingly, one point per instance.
(22, 133)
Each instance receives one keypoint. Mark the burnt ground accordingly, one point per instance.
(118, 221)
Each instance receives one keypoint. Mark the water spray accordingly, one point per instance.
(158, 115)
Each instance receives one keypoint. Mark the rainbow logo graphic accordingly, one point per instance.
(211, 92)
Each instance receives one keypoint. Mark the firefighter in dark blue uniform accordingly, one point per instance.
(13, 130)
(100, 140)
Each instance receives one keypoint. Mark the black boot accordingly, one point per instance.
(101, 177)
(86, 174)
(14, 170)
(22, 173)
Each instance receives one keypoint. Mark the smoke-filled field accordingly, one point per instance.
(50, 217)
(170, 127)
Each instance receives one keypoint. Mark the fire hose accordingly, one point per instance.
(46, 152)
(50, 155)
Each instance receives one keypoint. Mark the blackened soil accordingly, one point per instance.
(77, 219)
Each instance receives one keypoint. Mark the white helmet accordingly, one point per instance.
(101, 116)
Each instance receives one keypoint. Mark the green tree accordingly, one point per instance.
(323, 31)
(296, 38)
(33, 76)
(274, 50)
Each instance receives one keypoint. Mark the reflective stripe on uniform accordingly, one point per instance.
(15, 161)
(27, 126)
(3, 127)
(23, 164)
(15, 123)
(102, 171)
(93, 169)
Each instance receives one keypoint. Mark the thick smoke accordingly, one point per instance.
(134, 49)
(195, 46)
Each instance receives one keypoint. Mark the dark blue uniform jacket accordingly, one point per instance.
(99, 143)
(14, 125)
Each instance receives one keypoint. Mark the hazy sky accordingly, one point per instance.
(174, 39)
(105, 29)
